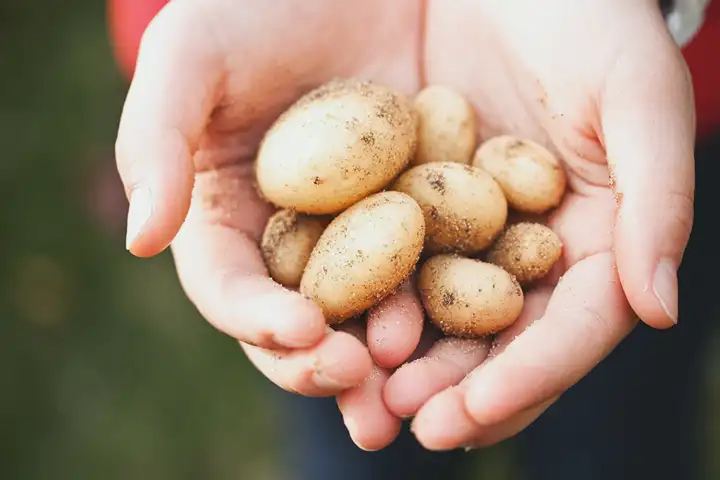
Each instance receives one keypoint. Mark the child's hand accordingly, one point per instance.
(211, 77)
(602, 83)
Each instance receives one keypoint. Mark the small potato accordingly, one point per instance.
(530, 175)
(338, 144)
(364, 255)
(465, 297)
(287, 242)
(464, 208)
(446, 130)
(526, 250)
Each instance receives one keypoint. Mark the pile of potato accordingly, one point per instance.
(372, 185)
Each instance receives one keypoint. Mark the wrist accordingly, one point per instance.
(684, 18)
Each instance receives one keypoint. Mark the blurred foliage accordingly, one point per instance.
(102, 376)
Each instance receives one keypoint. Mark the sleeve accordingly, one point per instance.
(127, 20)
(684, 18)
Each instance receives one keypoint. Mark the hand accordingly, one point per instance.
(602, 84)
(212, 75)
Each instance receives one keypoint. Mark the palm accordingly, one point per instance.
(507, 101)
(309, 53)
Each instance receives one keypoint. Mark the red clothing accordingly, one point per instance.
(128, 19)
(703, 58)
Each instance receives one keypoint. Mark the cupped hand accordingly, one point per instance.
(602, 84)
(212, 75)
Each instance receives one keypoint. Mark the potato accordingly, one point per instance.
(526, 250)
(464, 208)
(287, 242)
(465, 297)
(446, 129)
(530, 175)
(364, 255)
(338, 144)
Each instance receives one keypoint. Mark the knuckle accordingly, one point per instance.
(300, 382)
(599, 325)
(683, 208)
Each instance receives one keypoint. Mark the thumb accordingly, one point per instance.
(168, 103)
(648, 125)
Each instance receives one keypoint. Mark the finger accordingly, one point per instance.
(394, 327)
(369, 422)
(223, 274)
(451, 359)
(587, 316)
(509, 428)
(535, 304)
(340, 361)
(429, 336)
(436, 426)
(444, 424)
(443, 366)
(649, 132)
(169, 102)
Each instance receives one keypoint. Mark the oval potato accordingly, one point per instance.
(530, 175)
(526, 250)
(465, 297)
(364, 255)
(337, 145)
(464, 207)
(287, 243)
(446, 126)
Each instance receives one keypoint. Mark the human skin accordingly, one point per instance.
(600, 82)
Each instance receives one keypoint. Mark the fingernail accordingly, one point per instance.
(665, 287)
(139, 213)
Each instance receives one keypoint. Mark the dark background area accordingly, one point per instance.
(106, 370)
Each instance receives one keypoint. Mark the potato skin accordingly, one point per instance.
(531, 177)
(364, 255)
(465, 297)
(287, 242)
(446, 128)
(526, 250)
(464, 207)
(338, 144)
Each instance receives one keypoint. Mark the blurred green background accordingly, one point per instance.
(107, 371)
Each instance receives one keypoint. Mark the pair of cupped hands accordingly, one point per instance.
(600, 82)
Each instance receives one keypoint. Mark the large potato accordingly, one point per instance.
(446, 130)
(530, 175)
(465, 297)
(287, 242)
(337, 145)
(464, 208)
(526, 250)
(364, 254)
